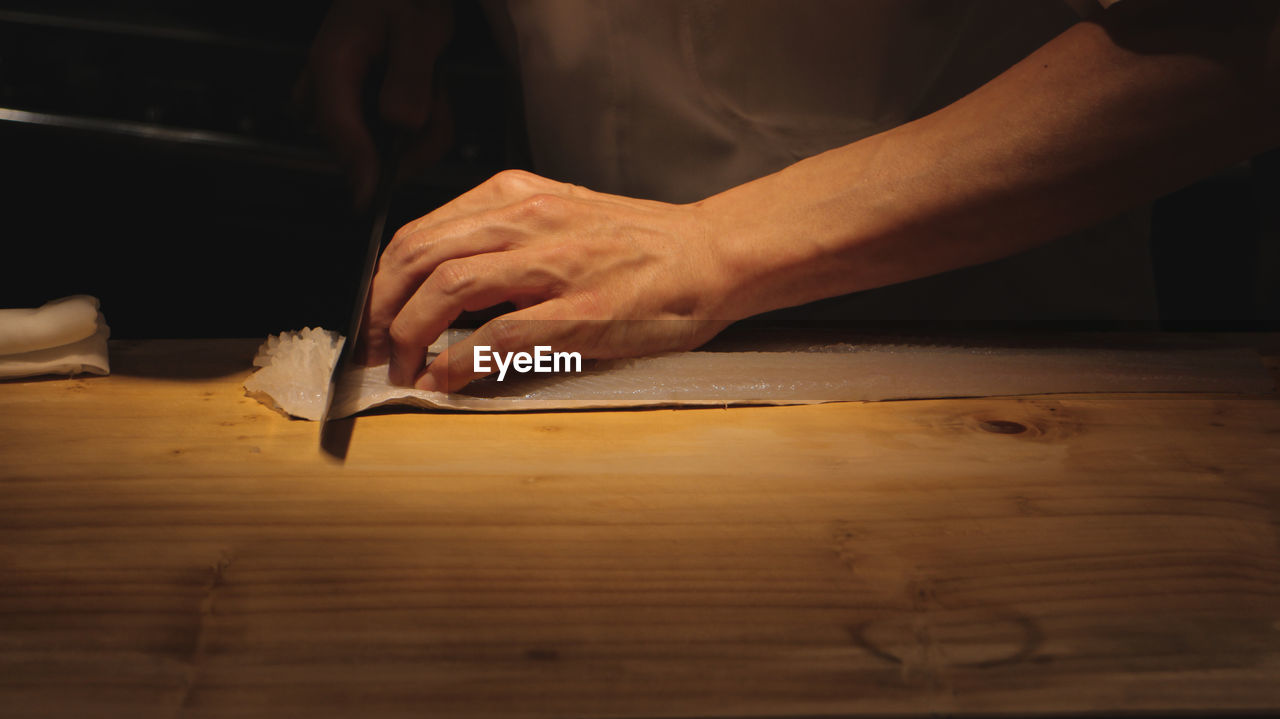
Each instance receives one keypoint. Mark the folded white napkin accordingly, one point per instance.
(66, 336)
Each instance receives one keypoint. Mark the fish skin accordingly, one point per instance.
(835, 374)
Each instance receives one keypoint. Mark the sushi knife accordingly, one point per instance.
(335, 434)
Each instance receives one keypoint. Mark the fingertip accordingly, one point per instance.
(426, 382)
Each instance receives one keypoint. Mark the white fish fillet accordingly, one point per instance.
(296, 366)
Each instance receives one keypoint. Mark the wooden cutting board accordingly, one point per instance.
(169, 547)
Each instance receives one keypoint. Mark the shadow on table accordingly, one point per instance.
(183, 359)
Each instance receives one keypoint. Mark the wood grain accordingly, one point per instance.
(169, 547)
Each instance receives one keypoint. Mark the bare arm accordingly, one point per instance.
(1115, 111)
(1110, 114)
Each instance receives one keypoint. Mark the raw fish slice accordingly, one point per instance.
(294, 371)
(844, 372)
(809, 374)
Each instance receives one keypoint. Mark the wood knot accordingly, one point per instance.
(1019, 420)
(1002, 426)
(926, 644)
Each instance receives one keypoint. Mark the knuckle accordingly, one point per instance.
(400, 237)
(542, 204)
(399, 251)
(400, 332)
(452, 277)
(413, 254)
(506, 334)
(392, 256)
(512, 180)
(408, 240)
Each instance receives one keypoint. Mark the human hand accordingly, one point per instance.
(598, 274)
(358, 41)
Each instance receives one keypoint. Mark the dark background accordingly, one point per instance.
(161, 165)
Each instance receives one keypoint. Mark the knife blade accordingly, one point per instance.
(335, 434)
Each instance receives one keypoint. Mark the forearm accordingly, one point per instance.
(1106, 116)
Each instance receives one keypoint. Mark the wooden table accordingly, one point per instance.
(169, 547)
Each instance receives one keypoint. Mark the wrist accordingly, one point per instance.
(813, 230)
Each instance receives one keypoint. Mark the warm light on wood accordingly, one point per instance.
(169, 546)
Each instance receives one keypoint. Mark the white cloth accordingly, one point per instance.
(676, 100)
(65, 336)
